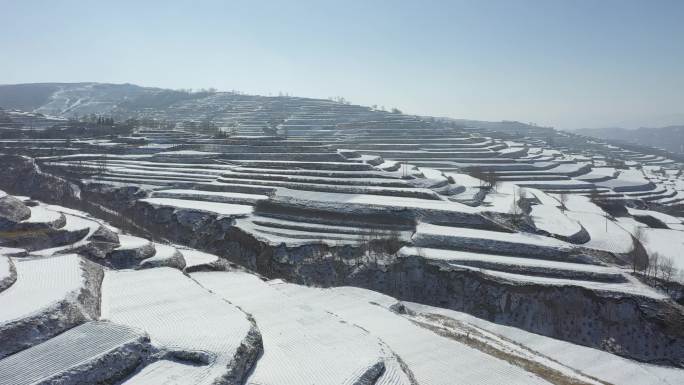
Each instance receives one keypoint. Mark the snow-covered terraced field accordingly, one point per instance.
(95, 352)
(302, 344)
(531, 266)
(179, 315)
(227, 209)
(49, 295)
(75, 224)
(164, 255)
(519, 244)
(210, 196)
(195, 258)
(431, 358)
(301, 189)
(604, 233)
(41, 283)
(553, 221)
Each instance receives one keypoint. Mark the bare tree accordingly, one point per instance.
(667, 269)
(516, 208)
(594, 196)
(492, 179)
(563, 197)
(638, 256)
(479, 174)
(102, 165)
(653, 269)
(488, 178)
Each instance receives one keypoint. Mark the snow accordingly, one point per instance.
(217, 196)
(275, 178)
(433, 359)
(462, 232)
(598, 173)
(502, 198)
(130, 242)
(195, 257)
(553, 221)
(605, 234)
(84, 344)
(116, 170)
(628, 180)
(204, 169)
(302, 344)
(188, 153)
(40, 284)
(178, 314)
(41, 214)
(4, 266)
(544, 198)
(562, 184)
(73, 223)
(464, 179)
(11, 251)
(578, 203)
(466, 256)
(602, 365)
(166, 372)
(666, 243)
(631, 287)
(671, 222)
(213, 207)
(471, 185)
(268, 230)
(162, 253)
(142, 164)
(373, 200)
(431, 173)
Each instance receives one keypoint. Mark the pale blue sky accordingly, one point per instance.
(573, 63)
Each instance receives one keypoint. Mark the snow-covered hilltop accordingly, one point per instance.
(225, 238)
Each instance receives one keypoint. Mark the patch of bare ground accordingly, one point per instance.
(504, 349)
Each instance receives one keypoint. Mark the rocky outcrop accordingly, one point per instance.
(129, 257)
(371, 376)
(99, 244)
(12, 211)
(117, 197)
(21, 175)
(9, 279)
(244, 359)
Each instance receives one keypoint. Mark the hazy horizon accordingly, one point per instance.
(563, 64)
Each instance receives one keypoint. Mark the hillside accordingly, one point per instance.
(228, 238)
(670, 138)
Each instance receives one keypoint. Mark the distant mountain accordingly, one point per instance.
(78, 99)
(26, 97)
(506, 126)
(670, 138)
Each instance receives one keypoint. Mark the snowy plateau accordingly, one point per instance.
(150, 236)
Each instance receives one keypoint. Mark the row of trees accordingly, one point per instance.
(653, 266)
(393, 110)
(93, 119)
(488, 178)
